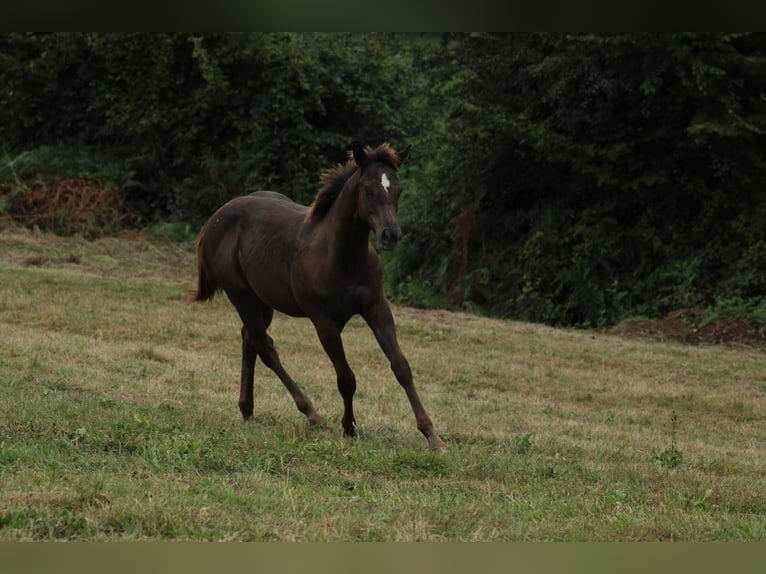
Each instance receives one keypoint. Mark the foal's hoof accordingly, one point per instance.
(317, 420)
(438, 445)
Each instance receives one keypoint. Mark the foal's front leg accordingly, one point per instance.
(329, 335)
(381, 321)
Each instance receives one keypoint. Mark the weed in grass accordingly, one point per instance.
(696, 502)
(522, 443)
(671, 457)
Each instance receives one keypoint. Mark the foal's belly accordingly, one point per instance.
(270, 280)
(266, 251)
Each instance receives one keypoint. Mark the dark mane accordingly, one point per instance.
(333, 180)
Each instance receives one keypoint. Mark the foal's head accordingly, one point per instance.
(379, 190)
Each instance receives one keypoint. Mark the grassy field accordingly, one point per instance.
(118, 420)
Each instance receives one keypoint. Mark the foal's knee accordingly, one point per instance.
(347, 384)
(402, 371)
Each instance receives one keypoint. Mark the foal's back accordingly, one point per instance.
(249, 245)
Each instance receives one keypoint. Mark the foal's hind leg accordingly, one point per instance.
(248, 374)
(249, 356)
(254, 318)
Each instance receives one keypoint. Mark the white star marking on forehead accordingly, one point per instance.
(384, 182)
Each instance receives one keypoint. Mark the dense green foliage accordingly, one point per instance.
(586, 178)
(192, 120)
(569, 179)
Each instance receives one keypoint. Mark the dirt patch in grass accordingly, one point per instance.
(694, 327)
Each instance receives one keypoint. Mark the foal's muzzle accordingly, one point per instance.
(389, 237)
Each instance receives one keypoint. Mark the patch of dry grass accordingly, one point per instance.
(118, 419)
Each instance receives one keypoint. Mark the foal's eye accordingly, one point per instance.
(370, 191)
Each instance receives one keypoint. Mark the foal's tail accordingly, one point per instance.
(206, 284)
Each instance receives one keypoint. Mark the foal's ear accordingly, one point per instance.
(360, 156)
(404, 154)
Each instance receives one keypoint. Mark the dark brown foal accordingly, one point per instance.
(267, 252)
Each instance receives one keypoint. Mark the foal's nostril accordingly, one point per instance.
(390, 235)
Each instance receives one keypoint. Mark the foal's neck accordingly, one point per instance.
(349, 236)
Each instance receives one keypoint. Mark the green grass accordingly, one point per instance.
(118, 420)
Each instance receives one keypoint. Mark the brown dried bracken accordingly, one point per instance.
(72, 206)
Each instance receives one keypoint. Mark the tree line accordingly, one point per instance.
(571, 179)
